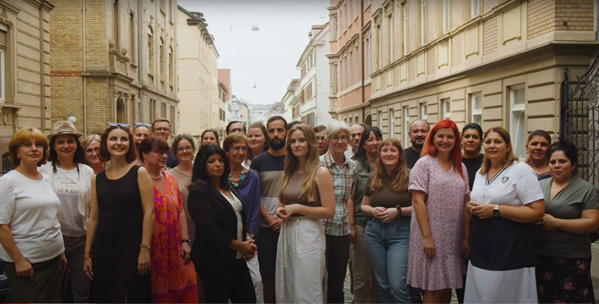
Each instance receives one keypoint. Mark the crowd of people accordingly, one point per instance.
(278, 213)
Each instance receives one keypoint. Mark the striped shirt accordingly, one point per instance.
(344, 176)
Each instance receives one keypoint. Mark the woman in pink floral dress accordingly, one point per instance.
(174, 278)
(439, 232)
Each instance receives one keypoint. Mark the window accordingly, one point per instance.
(347, 20)
(347, 65)
(162, 109)
(3, 72)
(367, 58)
(174, 121)
(446, 103)
(152, 109)
(132, 37)
(366, 3)
(357, 63)
(380, 118)
(162, 67)
(476, 111)
(115, 29)
(390, 25)
(334, 29)
(341, 20)
(356, 7)
(150, 65)
(391, 122)
(423, 111)
(422, 22)
(445, 16)
(335, 78)
(405, 29)
(171, 68)
(351, 68)
(517, 119)
(342, 80)
(380, 46)
(406, 126)
(474, 8)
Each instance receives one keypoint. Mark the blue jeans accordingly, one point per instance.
(387, 247)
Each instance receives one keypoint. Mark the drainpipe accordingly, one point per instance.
(140, 63)
(42, 82)
(316, 85)
(84, 69)
(362, 61)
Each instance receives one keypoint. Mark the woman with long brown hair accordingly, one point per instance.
(306, 197)
(389, 204)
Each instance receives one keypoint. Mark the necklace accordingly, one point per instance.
(155, 177)
(236, 184)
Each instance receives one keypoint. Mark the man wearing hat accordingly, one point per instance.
(71, 179)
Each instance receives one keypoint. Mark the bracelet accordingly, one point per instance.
(144, 246)
(185, 241)
(87, 258)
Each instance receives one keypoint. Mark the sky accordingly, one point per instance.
(267, 57)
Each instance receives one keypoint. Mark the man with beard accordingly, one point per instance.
(269, 166)
(418, 132)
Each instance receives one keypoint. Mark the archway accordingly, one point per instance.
(121, 112)
(368, 120)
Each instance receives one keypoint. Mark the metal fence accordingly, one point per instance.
(579, 119)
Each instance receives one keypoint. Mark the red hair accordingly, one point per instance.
(456, 154)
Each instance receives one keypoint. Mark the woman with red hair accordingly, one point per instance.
(439, 232)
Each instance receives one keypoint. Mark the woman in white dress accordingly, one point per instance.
(305, 199)
(505, 202)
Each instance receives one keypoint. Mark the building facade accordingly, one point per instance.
(117, 63)
(259, 112)
(199, 88)
(290, 101)
(493, 62)
(25, 98)
(349, 58)
(240, 111)
(224, 77)
(315, 78)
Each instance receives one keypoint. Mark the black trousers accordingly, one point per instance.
(337, 255)
(232, 282)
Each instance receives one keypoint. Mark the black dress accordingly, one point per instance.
(116, 242)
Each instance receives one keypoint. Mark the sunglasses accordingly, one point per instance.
(139, 124)
(119, 125)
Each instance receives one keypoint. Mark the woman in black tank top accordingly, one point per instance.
(120, 225)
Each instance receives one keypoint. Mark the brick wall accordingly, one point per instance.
(489, 4)
(490, 43)
(540, 17)
(578, 15)
(456, 49)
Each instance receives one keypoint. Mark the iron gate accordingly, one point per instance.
(579, 119)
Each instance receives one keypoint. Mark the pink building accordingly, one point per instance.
(350, 60)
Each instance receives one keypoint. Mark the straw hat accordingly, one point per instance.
(64, 127)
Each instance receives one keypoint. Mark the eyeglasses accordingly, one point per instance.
(338, 139)
(162, 129)
(92, 151)
(184, 149)
(160, 153)
(139, 124)
(237, 149)
(118, 125)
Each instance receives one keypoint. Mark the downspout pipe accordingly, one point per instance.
(362, 61)
(140, 64)
(44, 107)
(84, 68)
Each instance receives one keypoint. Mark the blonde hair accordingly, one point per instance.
(399, 178)
(86, 141)
(509, 157)
(309, 186)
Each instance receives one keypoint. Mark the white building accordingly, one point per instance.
(289, 100)
(259, 112)
(315, 78)
(240, 111)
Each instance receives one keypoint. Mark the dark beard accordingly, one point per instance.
(278, 144)
(417, 146)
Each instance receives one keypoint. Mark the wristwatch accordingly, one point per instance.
(185, 241)
(398, 210)
(496, 211)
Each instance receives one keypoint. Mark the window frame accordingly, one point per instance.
(518, 135)
(391, 122)
(380, 118)
(445, 16)
(422, 22)
(405, 16)
(423, 110)
(474, 8)
(406, 126)
(446, 107)
(476, 114)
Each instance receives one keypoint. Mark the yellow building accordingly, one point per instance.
(111, 53)
(202, 106)
(24, 68)
(495, 62)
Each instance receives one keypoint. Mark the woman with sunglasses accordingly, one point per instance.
(121, 223)
(174, 277)
(91, 147)
(72, 183)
